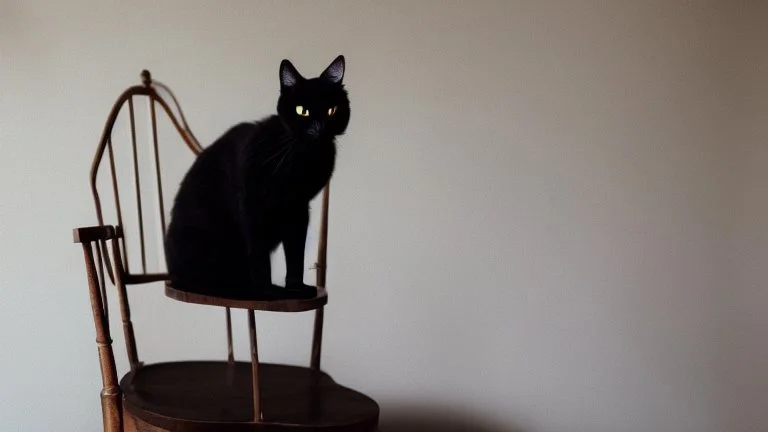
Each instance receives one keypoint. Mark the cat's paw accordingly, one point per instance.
(294, 290)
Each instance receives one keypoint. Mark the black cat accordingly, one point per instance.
(250, 191)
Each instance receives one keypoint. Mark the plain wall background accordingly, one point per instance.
(547, 215)
(748, 346)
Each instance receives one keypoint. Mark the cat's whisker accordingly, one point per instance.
(281, 150)
(283, 159)
(274, 156)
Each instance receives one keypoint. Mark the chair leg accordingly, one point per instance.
(230, 352)
(317, 339)
(257, 414)
(110, 392)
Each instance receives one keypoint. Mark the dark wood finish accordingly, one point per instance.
(137, 185)
(110, 392)
(322, 245)
(320, 266)
(132, 423)
(230, 351)
(257, 414)
(115, 189)
(135, 424)
(317, 338)
(125, 310)
(292, 305)
(158, 175)
(102, 279)
(216, 396)
(146, 278)
(93, 234)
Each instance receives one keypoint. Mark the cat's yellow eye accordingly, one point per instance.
(300, 110)
(331, 111)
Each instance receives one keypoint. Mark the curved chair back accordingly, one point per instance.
(128, 197)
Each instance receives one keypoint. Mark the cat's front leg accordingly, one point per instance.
(261, 270)
(294, 243)
(252, 221)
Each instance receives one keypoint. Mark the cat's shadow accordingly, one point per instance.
(434, 418)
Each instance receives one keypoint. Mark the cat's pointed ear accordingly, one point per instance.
(334, 73)
(289, 76)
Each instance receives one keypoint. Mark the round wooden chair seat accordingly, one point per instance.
(203, 396)
(293, 305)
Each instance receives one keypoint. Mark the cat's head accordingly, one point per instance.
(314, 108)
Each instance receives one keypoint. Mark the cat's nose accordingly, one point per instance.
(316, 129)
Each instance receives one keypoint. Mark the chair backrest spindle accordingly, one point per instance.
(158, 176)
(137, 184)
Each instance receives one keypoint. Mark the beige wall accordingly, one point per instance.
(532, 211)
(748, 345)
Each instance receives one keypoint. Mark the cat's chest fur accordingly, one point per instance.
(284, 169)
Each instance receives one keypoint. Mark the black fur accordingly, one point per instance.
(250, 191)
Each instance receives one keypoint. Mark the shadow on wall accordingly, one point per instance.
(438, 419)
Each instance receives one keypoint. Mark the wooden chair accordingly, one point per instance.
(199, 396)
